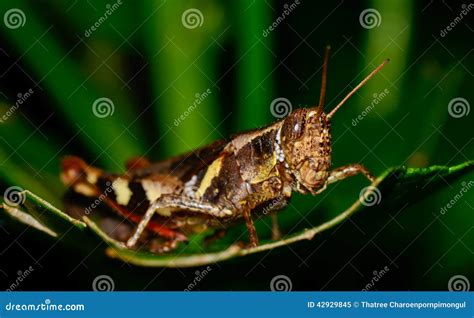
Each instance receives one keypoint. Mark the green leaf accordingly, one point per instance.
(394, 188)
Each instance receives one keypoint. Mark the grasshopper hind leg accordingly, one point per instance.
(132, 241)
(173, 202)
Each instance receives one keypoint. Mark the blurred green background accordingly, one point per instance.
(153, 59)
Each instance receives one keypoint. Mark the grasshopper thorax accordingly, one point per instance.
(306, 144)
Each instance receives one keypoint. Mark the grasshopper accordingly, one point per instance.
(228, 181)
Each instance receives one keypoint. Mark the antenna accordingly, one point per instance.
(322, 94)
(365, 80)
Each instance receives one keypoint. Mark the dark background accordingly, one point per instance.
(151, 67)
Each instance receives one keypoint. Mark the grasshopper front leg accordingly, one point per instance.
(344, 172)
(172, 202)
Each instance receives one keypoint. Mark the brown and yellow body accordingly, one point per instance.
(248, 171)
(225, 182)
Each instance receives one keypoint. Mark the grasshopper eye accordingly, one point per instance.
(294, 125)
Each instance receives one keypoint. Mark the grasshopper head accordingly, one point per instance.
(306, 145)
(305, 138)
